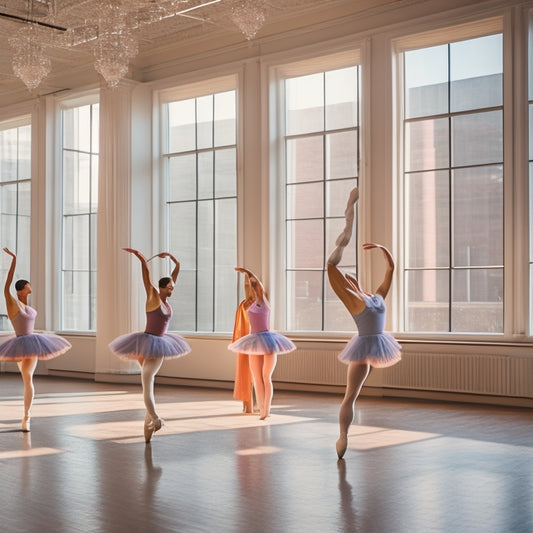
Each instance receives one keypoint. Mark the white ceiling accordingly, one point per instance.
(201, 29)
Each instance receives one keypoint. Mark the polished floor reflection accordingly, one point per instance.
(411, 466)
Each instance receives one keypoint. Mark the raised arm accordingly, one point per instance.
(176, 269)
(257, 289)
(383, 289)
(152, 296)
(11, 303)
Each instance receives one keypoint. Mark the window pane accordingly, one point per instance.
(77, 133)
(304, 300)
(426, 81)
(225, 260)
(337, 318)
(184, 301)
(305, 200)
(341, 155)
(204, 120)
(225, 173)
(476, 73)
(337, 193)
(478, 233)
(183, 215)
(182, 126)
(205, 266)
(77, 183)
(9, 154)
(427, 220)
(305, 159)
(341, 98)
(205, 177)
(76, 239)
(24, 153)
(76, 300)
(478, 300)
(304, 100)
(225, 119)
(477, 138)
(182, 178)
(427, 306)
(426, 145)
(305, 244)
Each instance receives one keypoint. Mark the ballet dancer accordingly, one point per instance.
(154, 344)
(243, 388)
(26, 347)
(261, 344)
(371, 348)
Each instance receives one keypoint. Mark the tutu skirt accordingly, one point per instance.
(133, 345)
(42, 345)
(261, 343)
(379, 350)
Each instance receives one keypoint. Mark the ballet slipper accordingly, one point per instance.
(150, 427)
(341, 445)
(26, 424)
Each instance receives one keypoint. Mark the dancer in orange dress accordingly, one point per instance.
(243, 388)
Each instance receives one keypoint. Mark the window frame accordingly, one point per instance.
(208, 85)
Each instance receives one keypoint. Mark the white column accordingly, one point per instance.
(114, 303)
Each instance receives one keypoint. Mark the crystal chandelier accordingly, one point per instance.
(30, 63)
(115, 45)
(249, 16)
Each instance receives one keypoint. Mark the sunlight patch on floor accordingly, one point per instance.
(368, 437)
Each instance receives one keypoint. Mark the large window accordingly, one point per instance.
(453, 187)
(322, 164)
(15, 203)
(79, 207)
(199, 157)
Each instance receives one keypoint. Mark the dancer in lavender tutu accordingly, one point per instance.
(261, 344)
(154, 344)
(371, 348)
(26, 347)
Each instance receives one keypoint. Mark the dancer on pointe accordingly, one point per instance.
(153, 345)
(261, 344)
(243, 388)
(26, 347)
(371, 348)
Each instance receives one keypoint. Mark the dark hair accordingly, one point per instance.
(20, 284)
(163, 282)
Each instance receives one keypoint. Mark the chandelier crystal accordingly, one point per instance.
(30, 63)
(116, 45)
(249, 16)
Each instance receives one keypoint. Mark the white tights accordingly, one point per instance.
(27, 367)
(149, 368)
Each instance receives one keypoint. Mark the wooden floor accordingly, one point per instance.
(411, 466)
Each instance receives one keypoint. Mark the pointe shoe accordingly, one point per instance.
(26, 424)
(341, 445)
(150, 427)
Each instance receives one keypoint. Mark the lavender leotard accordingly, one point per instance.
(372, 345)
(261, 341)
(25, 343)
(154, 341)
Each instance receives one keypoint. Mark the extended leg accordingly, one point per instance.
(27, 367)
(357, 374)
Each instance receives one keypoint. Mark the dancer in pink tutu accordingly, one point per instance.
(26, 347)
(261, 344)
(371, 348)
(154, 344)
